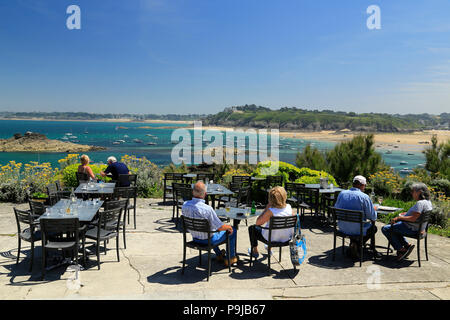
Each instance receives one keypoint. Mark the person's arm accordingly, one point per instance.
(411, 218)
(369, 210)
(265, 216)
(90, 172)
(107, 170)
(226, 227)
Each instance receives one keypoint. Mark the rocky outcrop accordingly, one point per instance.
(36, 142)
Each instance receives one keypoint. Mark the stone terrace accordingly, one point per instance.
(150, 268)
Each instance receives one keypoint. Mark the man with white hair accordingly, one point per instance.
(356, 199)
(197, 208)
(115, 168)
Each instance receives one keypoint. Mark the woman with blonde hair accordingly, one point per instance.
(276, 207)
(84, 166)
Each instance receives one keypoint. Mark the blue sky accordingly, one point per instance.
(200, 56)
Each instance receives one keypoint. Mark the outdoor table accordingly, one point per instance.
(237, 218)
(85, 211)
(214, 190)
(100, 190)
(385, 210)
(189, 176)
(317, 186)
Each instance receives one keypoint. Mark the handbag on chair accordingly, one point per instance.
(297, 245)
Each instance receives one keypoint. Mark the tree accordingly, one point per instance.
(311, 158)
(438, 158)
(354, 157)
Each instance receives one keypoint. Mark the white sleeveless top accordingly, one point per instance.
(281, 235)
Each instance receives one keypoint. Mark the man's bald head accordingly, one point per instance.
(199, 190)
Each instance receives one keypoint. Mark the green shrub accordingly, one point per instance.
(69, 178)
(441, 185)
(149, 176)
(12, 192)
(291, 173)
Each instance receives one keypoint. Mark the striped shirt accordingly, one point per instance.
(197, 208)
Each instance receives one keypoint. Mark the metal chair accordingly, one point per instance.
(30, 233)
(102, 233)
(69, 234)
(52, 191)
(422, 220)
(309, 198)
(126, 180)
(201, 225)
(246, 180)
(129, 193)
(205, 176)
(114, 204)
(167, 188)
(82, 177)
(355, 216)
(293, 197)
(37, 208)
(329, 200)
(182, 193)
(277, 223)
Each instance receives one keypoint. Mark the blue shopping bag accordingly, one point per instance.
(297, 245)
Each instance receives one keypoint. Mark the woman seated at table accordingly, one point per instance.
(84, 167)
(404, 223)
(277, 207)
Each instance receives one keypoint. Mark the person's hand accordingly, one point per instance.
(230, 230)
(394, 220)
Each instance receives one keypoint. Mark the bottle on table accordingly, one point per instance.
(253, 211)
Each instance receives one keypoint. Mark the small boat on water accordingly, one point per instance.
(406, 170)
(410, 154)
(122, 141)
(151, 143)
(68, 134)
(389, 151)
(137, 140)
(116, 142)
(403, 162)
(73, 137)
(126, 136)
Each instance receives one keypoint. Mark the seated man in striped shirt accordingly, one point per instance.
(197, 208)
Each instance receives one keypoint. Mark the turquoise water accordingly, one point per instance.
(105, 133)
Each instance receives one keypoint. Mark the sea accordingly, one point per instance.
(133, 138)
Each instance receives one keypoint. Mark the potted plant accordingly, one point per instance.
(39, 196)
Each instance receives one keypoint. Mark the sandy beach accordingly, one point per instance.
(395, 141)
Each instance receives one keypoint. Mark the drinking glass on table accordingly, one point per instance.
(380, 200)
(227, 207)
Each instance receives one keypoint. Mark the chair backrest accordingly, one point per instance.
(205, 176)
(58, 185)
(37, 208)
(241, 179)
(235, 186)
(273, 181)
(125, 192)
(243, 193)
(24, 217)
(81, 176)
(111, 215)
(127, 179)
(183, 193)
(174, 175)
(347, 215)
(51, 189)
(310, 196)
(114, 204)
(195, 224)
(63, 195)
(423, 220)
(69, 226)
(292, 188)
(277, 223)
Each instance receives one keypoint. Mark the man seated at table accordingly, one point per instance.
(197, 208)
(356, 199)
(115, 168)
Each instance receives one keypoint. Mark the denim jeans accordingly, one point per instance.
(219, 237)
(397, 239)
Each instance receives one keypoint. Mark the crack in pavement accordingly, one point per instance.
(135, 269)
